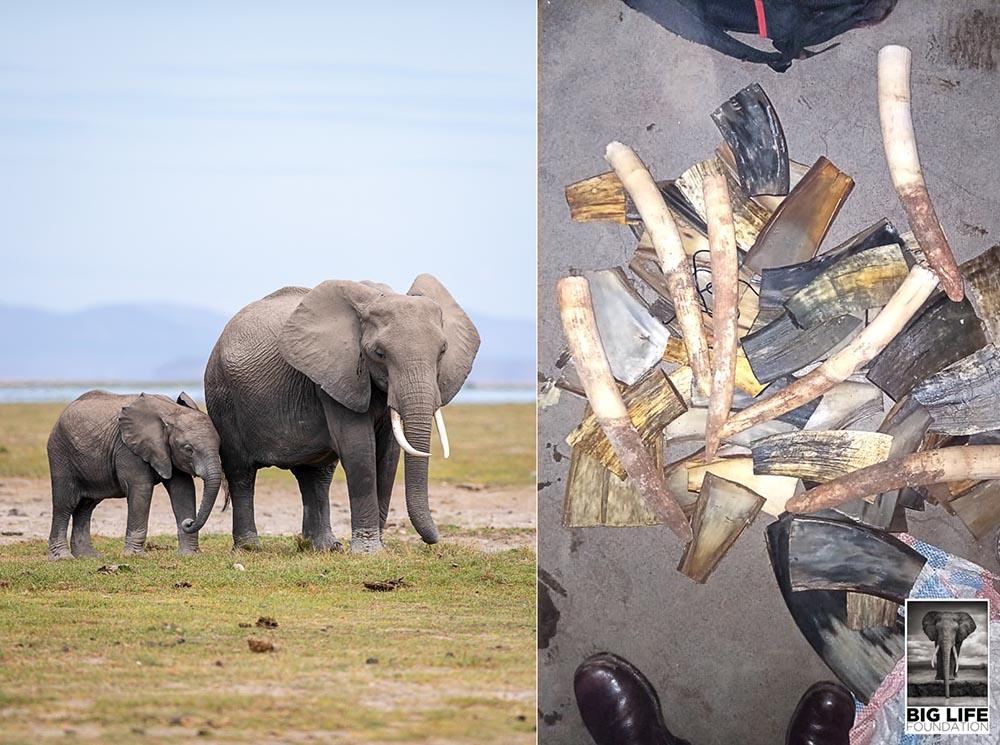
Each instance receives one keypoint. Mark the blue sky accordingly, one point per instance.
(209, 153)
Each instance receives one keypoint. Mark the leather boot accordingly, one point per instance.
(824, 716)
(619, 706)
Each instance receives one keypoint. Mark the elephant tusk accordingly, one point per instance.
(397, 430)
(934, 657)
(955, 652)
(442, 432)
(904, 167)
(902, 306)
(725, 297)
(577, 313)
(673, 261)
(953, 463)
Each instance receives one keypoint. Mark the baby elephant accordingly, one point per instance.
(108, 445)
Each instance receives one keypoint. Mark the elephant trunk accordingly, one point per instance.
(417, 412)
(947, 650)
(210, 491)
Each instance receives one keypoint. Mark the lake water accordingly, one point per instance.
(17, 394)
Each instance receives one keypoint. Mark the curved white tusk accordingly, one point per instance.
(934, 657)
(442, 432)
(397, 430)
(956, 659)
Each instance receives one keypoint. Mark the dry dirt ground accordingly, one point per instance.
(26, 512)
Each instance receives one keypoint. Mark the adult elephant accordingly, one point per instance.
(947, 629)
(348, 372)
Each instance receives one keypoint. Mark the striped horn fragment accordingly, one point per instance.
(749, 216)
(781, 348)
(778, 284)
(852, 285)
(652, 403)
(595, 496)
(964, 398)
(819, 456)
(982, 283)
(723, 511)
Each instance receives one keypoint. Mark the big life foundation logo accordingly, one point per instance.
(947, 666)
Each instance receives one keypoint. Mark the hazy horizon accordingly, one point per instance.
(206, 156)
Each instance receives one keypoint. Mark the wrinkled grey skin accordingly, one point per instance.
(947, 629)
(107, 445)
(303, 379)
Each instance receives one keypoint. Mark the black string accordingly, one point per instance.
(708, 287)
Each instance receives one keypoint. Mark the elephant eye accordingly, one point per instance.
(377, 351)
(188, 448)
(444, 348)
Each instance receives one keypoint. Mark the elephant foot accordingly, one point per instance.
(187, 543)
(58, 553)
(326, 542)
(85, 552)
(248, 542)
(366, 542)
(134, 550)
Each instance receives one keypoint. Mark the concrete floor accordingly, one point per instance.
(727, 659)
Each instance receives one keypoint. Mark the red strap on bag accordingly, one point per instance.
(761, 20)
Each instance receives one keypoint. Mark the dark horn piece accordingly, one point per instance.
(781, 348)
(796, 229)
(860, 658)
(778, 284)
(827, 554)
(750, 126)
(943, 333)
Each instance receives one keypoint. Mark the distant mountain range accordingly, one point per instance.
(156, 342)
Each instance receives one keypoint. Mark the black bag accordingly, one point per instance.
(791, 25)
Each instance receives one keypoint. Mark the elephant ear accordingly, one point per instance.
(322, 340)
(929, 624)
(185, 400)
(966, 625)
(145, 433)
(463, 339)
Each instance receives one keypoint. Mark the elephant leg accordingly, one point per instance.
(140, 498)
(386, 465)
(80, 542)
(353, 438)
(182, 500)
(65, 497)
(241, 489)
(314, 484)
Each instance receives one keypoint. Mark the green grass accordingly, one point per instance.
(138, 653)
(490, 445)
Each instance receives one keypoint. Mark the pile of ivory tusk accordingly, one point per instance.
(822, 384)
